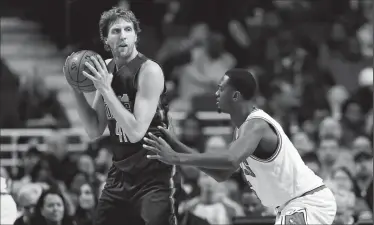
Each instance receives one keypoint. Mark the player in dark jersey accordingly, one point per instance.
(128, 99)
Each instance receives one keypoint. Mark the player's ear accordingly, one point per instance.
(236, 95)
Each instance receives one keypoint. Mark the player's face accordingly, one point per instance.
(122, 38)
(224, 95)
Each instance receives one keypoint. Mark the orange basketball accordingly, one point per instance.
(74, 66)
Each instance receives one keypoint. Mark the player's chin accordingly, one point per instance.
(123, 53)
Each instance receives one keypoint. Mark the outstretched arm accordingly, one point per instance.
(218, 174)
(239, 150)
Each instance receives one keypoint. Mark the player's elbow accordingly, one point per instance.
(137, 133)
(135, 136)
(233, 162)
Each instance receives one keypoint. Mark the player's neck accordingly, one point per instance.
(240, 113)
(120, 61)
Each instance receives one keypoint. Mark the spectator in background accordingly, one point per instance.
(202, 74)
(192, 132)
(352, 121)
(330, 128)
(205, 206)
(42, 173)
(87, 201)
(303, 143)
(27, 197)
(343, 179)
(364, 94)
(51, 209)
(63, 166)
(361, 144)
(39, 106)
(225, 193)
(336, 96)
(327, 153)
(345, 202)
(176, 51)
(8, 207)
(364, 171)
(365, 32)
(311, 160)
(343, 59)
(86, 174)
(30, 159)
(103, 162)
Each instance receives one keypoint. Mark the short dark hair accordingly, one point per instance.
(110, 16)
(38, 217)
(243, 81)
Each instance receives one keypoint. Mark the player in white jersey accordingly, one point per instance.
(269, 161)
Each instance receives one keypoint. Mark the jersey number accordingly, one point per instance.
(124, 99)
(121, 135)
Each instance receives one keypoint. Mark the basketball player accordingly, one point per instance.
(128, 99)
(269, 161)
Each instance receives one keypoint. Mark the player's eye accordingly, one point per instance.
(128, 29)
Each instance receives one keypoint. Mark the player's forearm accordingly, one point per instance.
(206, 160)
(218, 174)
(124, 118)
(88, 115)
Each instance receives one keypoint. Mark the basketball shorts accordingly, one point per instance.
(137, 200)
(316, 208)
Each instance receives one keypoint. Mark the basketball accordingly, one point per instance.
(73, 68)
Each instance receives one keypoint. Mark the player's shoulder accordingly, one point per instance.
(150, 66)
(254, 124)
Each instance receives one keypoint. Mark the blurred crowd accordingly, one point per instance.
(312, 59)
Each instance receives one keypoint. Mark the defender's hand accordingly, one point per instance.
(161, 148)
(169, 137)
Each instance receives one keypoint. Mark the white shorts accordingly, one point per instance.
(316, 208)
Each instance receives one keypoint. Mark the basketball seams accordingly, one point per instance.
(79, 66)
(85, 84)
(68, 63)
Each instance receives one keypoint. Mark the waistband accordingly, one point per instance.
(317, 189)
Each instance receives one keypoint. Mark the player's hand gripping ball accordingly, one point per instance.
(99, 75)
(74, 68)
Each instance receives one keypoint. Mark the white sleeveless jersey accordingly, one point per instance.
(282, 177)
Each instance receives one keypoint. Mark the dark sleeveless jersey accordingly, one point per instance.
(127, 156)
